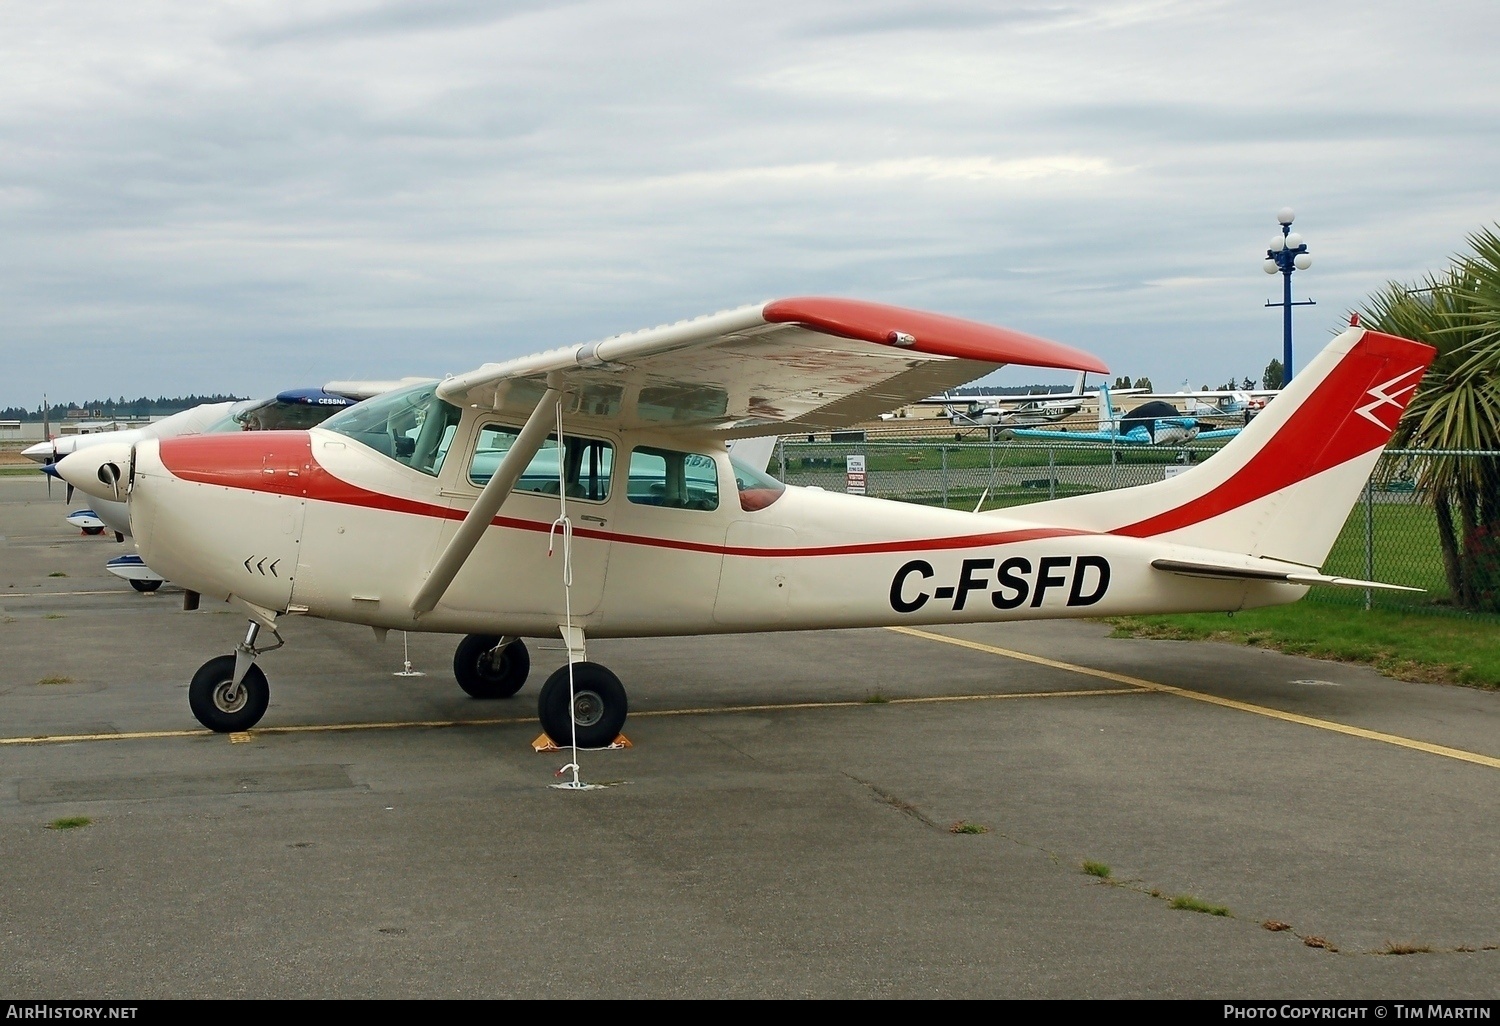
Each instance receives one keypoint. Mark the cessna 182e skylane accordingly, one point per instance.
(436, 507)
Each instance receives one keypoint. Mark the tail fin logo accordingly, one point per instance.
(1384, 397)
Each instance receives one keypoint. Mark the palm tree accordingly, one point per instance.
(1457, 407)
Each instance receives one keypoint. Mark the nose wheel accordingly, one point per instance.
(222, 705)
(229, 693)
(597, 708)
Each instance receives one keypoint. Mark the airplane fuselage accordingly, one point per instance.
(317, 523)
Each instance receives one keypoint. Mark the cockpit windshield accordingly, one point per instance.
(280, 415)
(283, 413)
(410, 425)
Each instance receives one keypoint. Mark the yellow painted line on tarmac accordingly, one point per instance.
(784, 706)
(323, 728)
(58, 594)
(1228, 703)
(134, 735)
(240, 737)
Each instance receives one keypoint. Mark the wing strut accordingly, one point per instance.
(489, 502)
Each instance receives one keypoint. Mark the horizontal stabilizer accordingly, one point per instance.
(1232, 572)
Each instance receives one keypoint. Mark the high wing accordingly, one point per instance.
(799, 363)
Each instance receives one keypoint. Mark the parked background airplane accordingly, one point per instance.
(403, 513)
(293, 409)
(1155, 422)
(1217, 404)
(1027, 409)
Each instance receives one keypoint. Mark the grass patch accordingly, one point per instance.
(1392, 948)
(54, 680)
(57, 573)
(876, 698)
(963, 826)
(1404, 550)
(55, 616)
(1437, 649)
(1191, 904)
(1098, 869)
(69, 823)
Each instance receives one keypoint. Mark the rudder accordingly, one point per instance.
(1283, 487)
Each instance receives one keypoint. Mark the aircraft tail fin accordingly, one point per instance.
(754, 452)
(1106, 409)
(1283, 486)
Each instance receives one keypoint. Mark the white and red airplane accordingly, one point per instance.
(450, 506)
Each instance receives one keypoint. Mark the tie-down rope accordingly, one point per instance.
(564, 526)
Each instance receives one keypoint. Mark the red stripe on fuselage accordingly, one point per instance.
(282, 463)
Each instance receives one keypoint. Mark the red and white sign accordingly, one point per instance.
(854, 473)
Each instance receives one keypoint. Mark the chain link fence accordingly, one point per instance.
(1391, 534)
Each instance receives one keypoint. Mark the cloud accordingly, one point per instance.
(215, 198)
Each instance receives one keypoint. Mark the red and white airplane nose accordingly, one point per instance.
(102, 471)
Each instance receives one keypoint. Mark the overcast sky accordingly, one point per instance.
(215, 197)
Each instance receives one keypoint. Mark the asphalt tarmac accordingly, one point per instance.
(792, 820)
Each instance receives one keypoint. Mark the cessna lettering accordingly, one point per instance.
(1084, 578)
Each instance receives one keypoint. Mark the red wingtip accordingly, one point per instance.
(935, 334)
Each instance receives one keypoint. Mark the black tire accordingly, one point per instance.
(598, 699)
(206, 696)
(484, 672)
(93, 530)
(144, 585)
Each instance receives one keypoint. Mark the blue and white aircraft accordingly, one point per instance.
(1151, 423)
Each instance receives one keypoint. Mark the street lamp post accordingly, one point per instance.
(1286, 254)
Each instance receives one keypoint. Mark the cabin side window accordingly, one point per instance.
(585, 464)
(679, 480)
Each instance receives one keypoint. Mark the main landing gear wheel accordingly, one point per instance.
(222, 707)
(598, 709)
(144, 585)
(487, 671)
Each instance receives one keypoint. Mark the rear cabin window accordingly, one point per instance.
(586, 464)
(678, 480)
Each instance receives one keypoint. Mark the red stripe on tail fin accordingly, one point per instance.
(1352, 412)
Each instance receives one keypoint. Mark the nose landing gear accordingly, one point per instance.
(229, 693)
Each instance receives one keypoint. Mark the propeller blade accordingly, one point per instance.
(69, 497)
